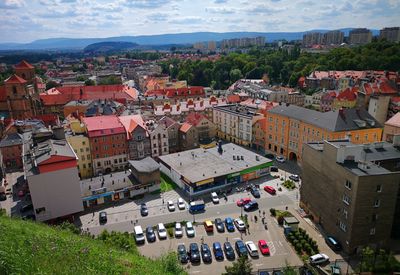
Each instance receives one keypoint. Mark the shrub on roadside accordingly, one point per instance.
(273, 212)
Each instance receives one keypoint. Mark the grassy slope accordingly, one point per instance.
(32, 248)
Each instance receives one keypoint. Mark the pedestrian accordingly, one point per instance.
(93, 214)
(163, 201)
(259, 212)
(264, 213)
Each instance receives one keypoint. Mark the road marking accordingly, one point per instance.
(259, 264)
(280, 243)
(272, 249)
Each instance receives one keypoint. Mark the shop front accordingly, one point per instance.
(97, 199)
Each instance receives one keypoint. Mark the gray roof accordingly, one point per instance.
(146, 165)
(238, 110)
(336, 121)
(10, 140)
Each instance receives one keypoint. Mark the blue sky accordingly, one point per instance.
(28, 20)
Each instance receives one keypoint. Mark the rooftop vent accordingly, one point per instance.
(360, 123)
(370, 122)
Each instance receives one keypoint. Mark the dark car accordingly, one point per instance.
(241, 249)
(150, 235)
(219, 225)
(229, 252)
(206, 253)
(194, 253)
(255, 192)
(274, 169)
(253, 205)
(143, 209)
(229, 224)
(26, 208)
(102, 217)
(217, 249)
(270, 156)
(29, 217)
(333, 243)
(3, 196)
(182, 254)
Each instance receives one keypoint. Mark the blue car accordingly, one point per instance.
(219, 255)
(253, 205)
(241, 249)
(229, 225)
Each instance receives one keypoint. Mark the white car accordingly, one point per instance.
(171, 206)
(178, 230)
(214, 197)
(252, 248)
(162, 232)
(319, 259)
(280, 159)
(240, 224)
(181, 204)
(190, 229)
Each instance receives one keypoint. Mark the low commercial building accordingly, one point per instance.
(11, 150)
(352, 191)
(142, 177)
(200, 171)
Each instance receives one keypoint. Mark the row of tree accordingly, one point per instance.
(283, 66)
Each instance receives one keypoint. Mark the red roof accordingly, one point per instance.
(348, 94)
(23, 65)
(233, 99)
(15, 79)
(194, 118)
(393, 99)
(174, 92)
(103, 126)
(185, 127)
(130, 123)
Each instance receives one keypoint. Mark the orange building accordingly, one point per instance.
(289, 126)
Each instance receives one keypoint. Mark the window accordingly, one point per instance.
(83, 157)
(14, 89)
(379, 188)
(83, 143)
(346, 199)
(104, 139)
(88, 157)
(342, 226)
(348, 184)
(84, 166)
(374, 217)
(98, 164)
(155, 151)
(377, 203)
(372, 231)
(345, 213)
(81, 150)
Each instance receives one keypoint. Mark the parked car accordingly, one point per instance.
(208, 226)
(190, 229)
(144, 211)
(26, 208)
(194, 253)
(255, 192)
(294, 178)
(29, 217)
(280, 159)
(150, 235)
(219, 225)
(217, 249)
(182, 254)
(273, 169)
(335, 270)
(197, 206)
(253, 205)
(171, 206)
(181, 204)
(241, 248)
(270, 189)
(102, 217)
(138, 234)
(205, 253)
(243, 201)
(270, 156)
(240, 225)
(333, 243)
(319, 259)
(263, 246)
(214, 197)
(252, 249)
(162, 232)
(178, 230)
(229, 224)
(229, 252)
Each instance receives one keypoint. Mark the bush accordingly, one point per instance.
(298, 247)
(170, 231)
(280, 220)
(273, 212)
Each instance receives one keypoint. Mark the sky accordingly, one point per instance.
(28, 20)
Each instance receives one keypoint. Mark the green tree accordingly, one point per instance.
(235, 75)
(242, 266)
(51, 84)
(89, 82)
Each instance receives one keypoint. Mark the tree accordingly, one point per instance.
(89, 82)
(241, 267)
(235, 75)
(51, 84)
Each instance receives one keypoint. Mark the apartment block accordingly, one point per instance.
(81, 146)
(352, 191)
(390, 34)
(360, 36)
(392, 128)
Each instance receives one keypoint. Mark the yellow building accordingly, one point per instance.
(80, 144)
(289, 127)
(346, 99)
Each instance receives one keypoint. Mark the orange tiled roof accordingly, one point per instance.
(185, 127)
(174, 92)
(233, 98)
(348, 94)
(23, 65)
(194, 118)
(15, 79)
(103, 125)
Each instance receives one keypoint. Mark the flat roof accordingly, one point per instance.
(201, 164)
(238, 110)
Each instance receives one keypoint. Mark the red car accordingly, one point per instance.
(243, 202)
(270, 190)
(263, 246)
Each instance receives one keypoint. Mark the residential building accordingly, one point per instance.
(108, 145)
(259, 130)
(346, 98)
(243, 42)
(52, 175)
(312, 38)
(360, 36)
(211, 46)
(378, 107)
(89, 108)
(289, 127)
(392, 128)
(173, 133)
(314, 101)
(158, 134)
(178, 93)
(352, 191)
(188, 137)
(333, 38)
(11, 151)
(81, 146)
(138, 138)
(390, 34)
(206, 129)
(234, 123)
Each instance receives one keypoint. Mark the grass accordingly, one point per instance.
(35, 248)
(167, 184)
(289, 184)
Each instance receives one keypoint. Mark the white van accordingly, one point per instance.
(162, 232)
(138, 234)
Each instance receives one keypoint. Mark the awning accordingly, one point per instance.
(204, 181)
(95, 197)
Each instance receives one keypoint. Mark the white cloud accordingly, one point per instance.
(11, 4)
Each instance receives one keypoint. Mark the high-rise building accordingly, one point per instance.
(211, 46)
(313, 38)
(333, 38)
(360, 36)
(390, 34)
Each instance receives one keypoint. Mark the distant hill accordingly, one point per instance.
(107, 47)
(159, 39)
